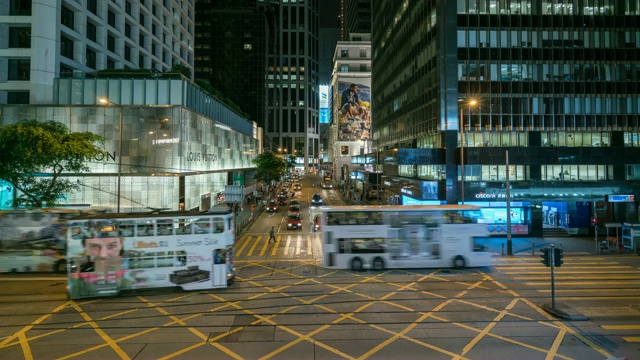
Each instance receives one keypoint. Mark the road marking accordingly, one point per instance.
(633, 339)
(34, 279)
(544, 283)
(253, 247)
(275, 246)
(586, 277)
(286, 247)
(621, 327)
(36, 322)
(309, 248)
(266, 244)
(107, 339)
(298, 245)
(244, 245)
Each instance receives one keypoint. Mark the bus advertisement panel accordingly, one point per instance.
(403, 237)
(115, 252)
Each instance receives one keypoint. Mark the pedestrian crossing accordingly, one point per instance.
(288, 245)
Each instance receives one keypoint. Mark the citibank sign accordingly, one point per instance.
(491, 196)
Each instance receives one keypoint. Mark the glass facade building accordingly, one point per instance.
(169, 154)
(554, 82)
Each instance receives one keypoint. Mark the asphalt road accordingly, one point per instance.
(284, 306)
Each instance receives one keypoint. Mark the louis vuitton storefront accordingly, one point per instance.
(170, 157)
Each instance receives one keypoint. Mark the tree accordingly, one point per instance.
(269, 167)
(291, 161)
(34, 154)
(182, 69)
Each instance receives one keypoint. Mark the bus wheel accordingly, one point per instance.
(458, 262)
(60, 267)
(378, 264)
(356, 264)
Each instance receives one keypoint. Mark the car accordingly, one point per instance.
(294, 202)
(316, 200)
(294, 210)
(294, 222)
(272, 206)
(282, 200)
(297, 187)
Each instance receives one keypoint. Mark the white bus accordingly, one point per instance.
(109, 253)
(379, 237)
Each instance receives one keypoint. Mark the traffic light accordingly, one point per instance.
(546, 257)
(594, 221)
(557, 257)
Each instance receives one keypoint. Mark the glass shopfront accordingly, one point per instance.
(167, 152)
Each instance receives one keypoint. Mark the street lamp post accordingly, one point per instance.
(107, 102)
(462, 177)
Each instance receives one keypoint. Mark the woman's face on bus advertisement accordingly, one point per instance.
(103, 247)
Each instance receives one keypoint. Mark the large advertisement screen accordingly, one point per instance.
(353, 111)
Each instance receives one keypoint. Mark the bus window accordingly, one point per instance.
(367, 246)
(165, 227)
(144, 229)
(220, 256)
(218, 225)
(202, 226)
(125, 229)
(78, 232)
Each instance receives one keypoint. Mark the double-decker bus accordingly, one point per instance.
(109, 253)
(34, 240)
(376, 237)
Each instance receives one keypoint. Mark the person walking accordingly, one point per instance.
(272, 235)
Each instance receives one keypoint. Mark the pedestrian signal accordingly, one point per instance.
(546, 257)
(557, 257)
(594, 221)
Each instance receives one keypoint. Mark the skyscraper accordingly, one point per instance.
(554, 83)
(47, 40)
(355, 17)
(230, 52)
(292, 83)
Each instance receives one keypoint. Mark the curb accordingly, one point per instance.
(564, 312)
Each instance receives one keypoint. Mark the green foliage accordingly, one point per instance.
(34, 154)
(291, 161)
(182, 69)
(269, 167)
(205, 85)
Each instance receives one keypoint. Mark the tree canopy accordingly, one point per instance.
(33, 155)
(269, 167)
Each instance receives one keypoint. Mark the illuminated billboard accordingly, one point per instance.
(353, 111)
(324, 96)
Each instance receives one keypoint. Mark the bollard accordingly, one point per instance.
(533, 248)
(502, 249)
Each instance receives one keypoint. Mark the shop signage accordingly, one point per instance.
(619, 198)
(196, 156)
(491, 196)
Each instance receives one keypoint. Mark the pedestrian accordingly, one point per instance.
(272, 235)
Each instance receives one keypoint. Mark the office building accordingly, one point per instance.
(230, 51)
(355, 17)
(350, 131)
(292, 120)
(552, 83)
(47, 40)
